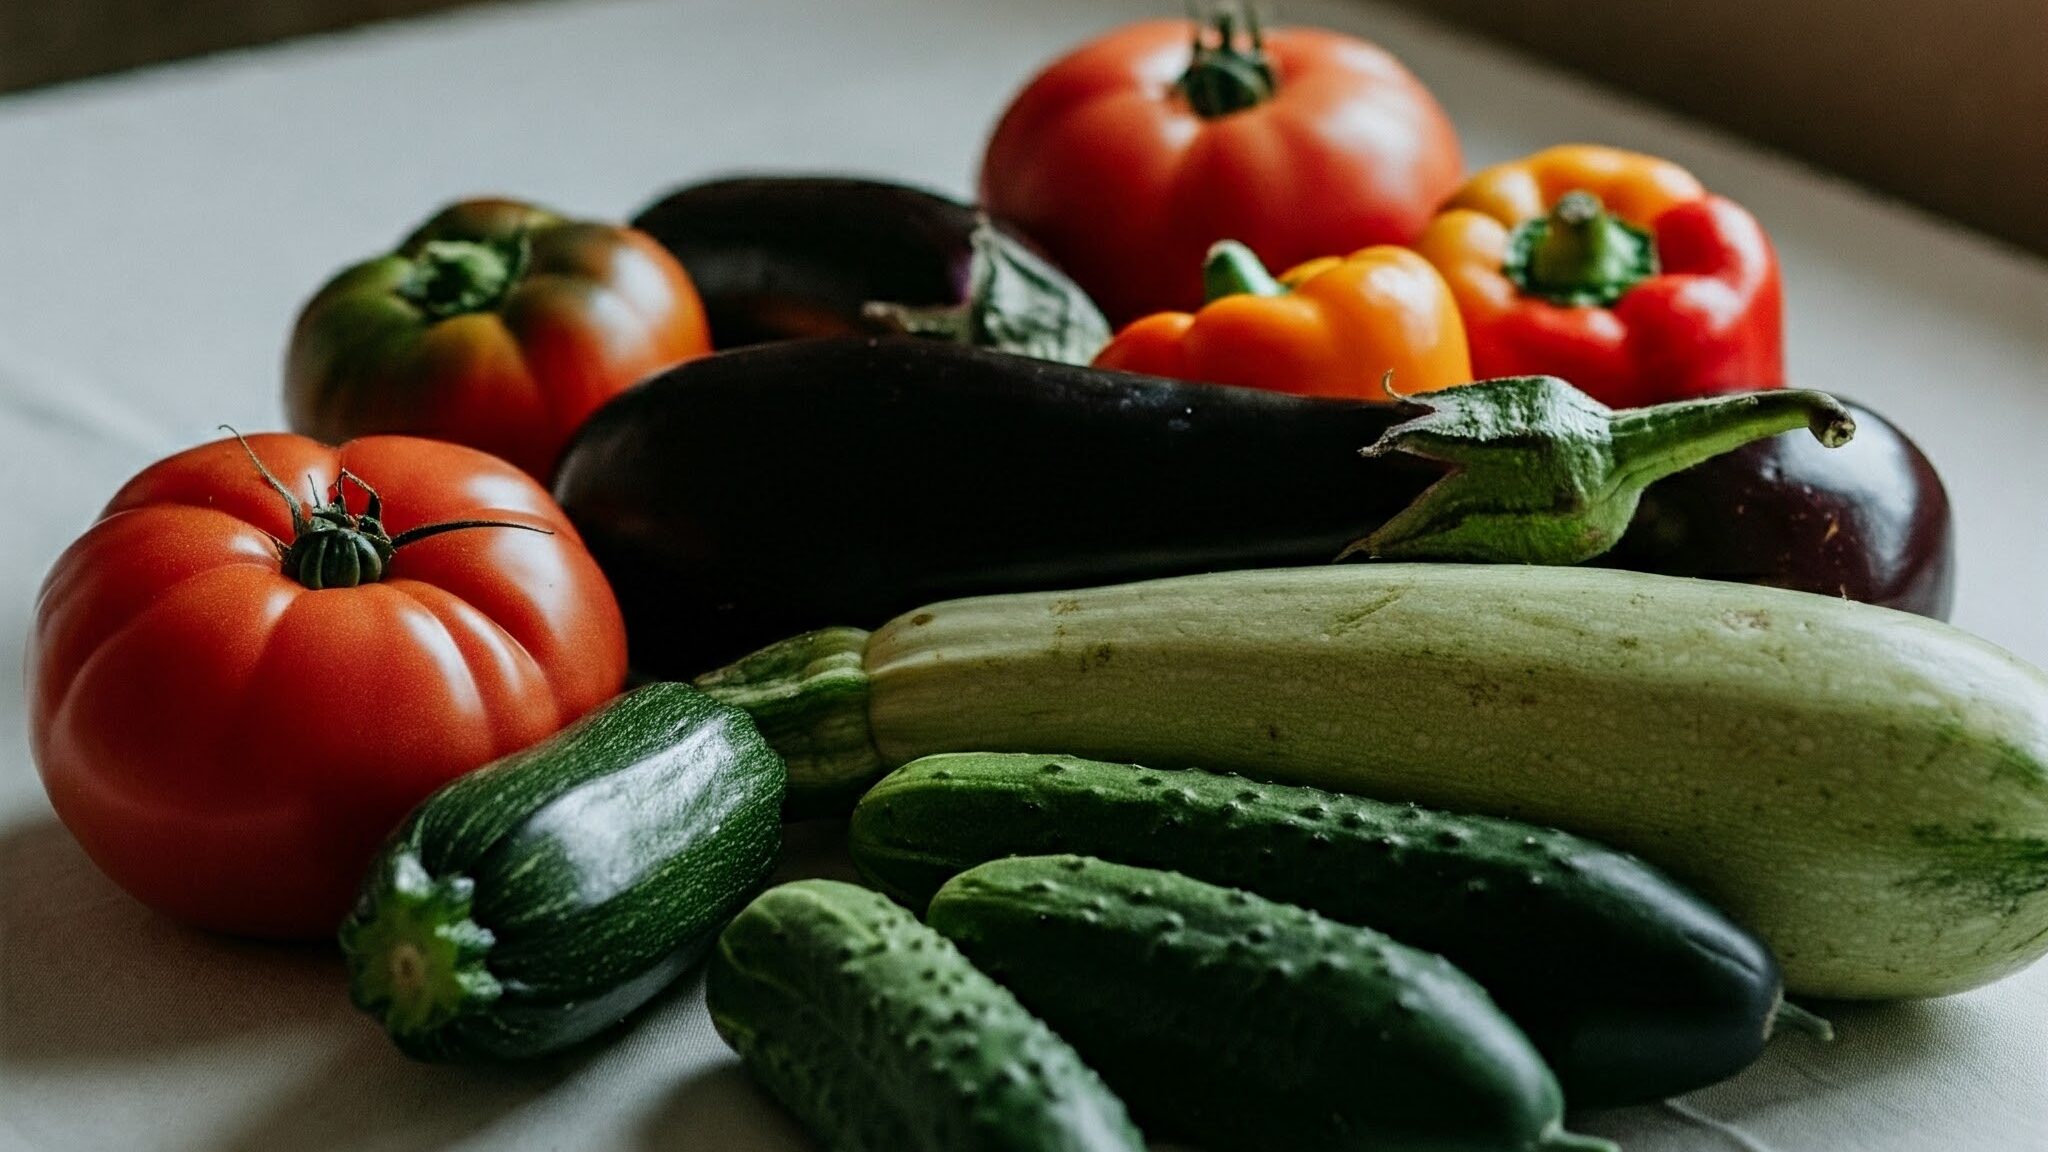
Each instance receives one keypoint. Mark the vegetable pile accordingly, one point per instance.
(1234, 685)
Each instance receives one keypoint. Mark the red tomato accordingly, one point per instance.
(231, 745)
(1128, 158)
(495, 324)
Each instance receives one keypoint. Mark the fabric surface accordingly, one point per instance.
(163, 229)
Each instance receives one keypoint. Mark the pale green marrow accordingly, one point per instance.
(1864, 788)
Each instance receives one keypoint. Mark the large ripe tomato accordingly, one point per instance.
(495, 324)
(1128, 158)
(231, 728)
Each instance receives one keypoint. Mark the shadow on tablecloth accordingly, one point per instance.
(88, 975)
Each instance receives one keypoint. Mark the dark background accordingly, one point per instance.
(1942, 104)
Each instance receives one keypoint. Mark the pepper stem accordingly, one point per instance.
(453, 277)
(1230, 73)
(809, 697)
(1580, 254)
(1232, 269)
(1652, 443)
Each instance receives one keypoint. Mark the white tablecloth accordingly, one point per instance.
(161, 230)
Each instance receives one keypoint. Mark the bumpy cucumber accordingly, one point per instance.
(540, 899)
(1632, 988)
(1240, 1023)
(881, 1037)
(1866, 790)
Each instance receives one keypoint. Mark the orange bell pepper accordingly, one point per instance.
(1614, 270)
(1335, 326)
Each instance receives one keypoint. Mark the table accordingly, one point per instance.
(164, 227)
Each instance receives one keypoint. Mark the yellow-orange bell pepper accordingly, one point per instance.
(1335, 326)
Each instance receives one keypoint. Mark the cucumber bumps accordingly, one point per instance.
(1245, 1024)
(1631, 987)
(882, 1038)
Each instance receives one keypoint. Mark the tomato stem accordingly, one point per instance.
(332, 547)
(1232, 73)
(454, 277)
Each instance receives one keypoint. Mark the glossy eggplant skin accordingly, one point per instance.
(787, 257)
(1867, 521)
(772, 490)
(751, 495)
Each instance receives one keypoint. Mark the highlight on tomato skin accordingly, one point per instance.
(267, 650)
(1128, 157)
(495, 324)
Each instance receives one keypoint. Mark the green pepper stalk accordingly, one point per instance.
(1580, 255)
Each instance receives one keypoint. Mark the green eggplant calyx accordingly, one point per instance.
(1580, 255)
(416, 960)
(1016, 302)
(1228, 73)
(808, 695)
(1541, 473)
(454, 277)
(1231, 269)
(332, 547)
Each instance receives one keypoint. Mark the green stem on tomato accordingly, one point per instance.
(332, 547)
(1230, 73)
(455, 277)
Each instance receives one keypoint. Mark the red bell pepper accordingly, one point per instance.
(1614, 270)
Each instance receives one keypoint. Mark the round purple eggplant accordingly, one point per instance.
(1867, 521)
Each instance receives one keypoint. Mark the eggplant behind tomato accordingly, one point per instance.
(750, 495)
(788, 257)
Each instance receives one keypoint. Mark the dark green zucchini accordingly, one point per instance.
(1632, 988)
(540, 899)
(881, 1037)
(1235, 1022)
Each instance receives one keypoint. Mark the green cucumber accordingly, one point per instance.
(542, 898)
(1241, 1023)
(881, 1037)
(1632, 988)
(1866, 790)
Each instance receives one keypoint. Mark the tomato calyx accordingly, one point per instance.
(1231, 72)
(455, 277)
(332, 547)
(1580, 254)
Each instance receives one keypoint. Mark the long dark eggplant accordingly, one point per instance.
(789, 257)
(754, 494)
(1868, 521)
